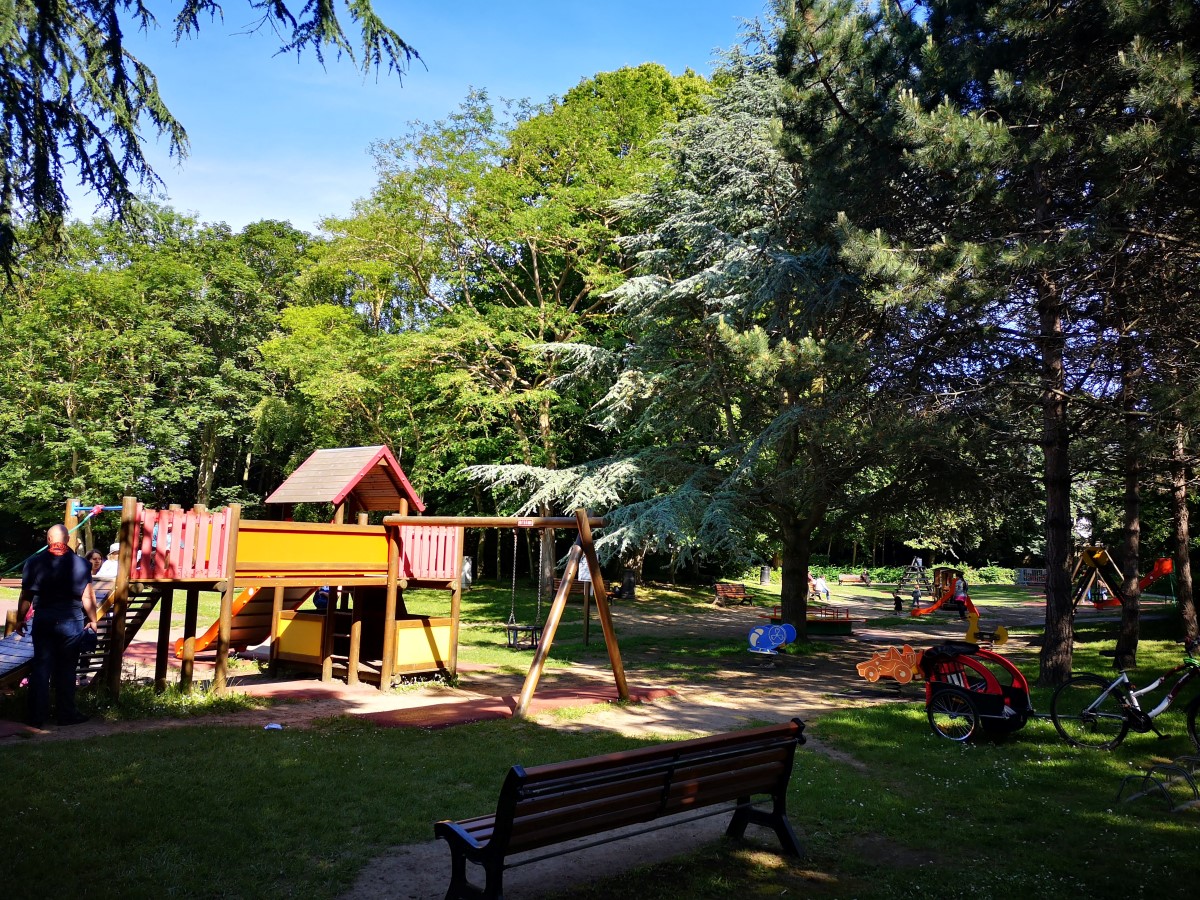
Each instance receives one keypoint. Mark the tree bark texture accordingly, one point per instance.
(1057, 650)
(1131, 538)
(793, 593)
(1182, 528)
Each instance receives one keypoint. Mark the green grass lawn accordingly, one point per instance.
(202, 812)
(897, 813)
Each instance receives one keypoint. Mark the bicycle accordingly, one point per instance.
(1108, 709)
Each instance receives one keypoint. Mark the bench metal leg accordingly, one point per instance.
(462, 889)
(776, 819)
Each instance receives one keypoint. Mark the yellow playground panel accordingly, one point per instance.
(309, 550)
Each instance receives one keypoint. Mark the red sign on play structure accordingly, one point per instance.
(524, 523)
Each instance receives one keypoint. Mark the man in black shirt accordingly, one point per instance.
(58, 584)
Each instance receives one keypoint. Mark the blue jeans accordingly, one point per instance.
(57, 635)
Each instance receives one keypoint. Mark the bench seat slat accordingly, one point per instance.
(562, 826)
(718, 788)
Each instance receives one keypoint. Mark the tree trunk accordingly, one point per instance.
(547, 558)
(1182, 534)
(793, 594)
(1131, 538)
(635, 561)
(206, 471)
(1057, 651)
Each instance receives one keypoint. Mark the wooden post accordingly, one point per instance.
(543, 649)
(363, 518)
(389, 609)
(225, 628)
(587, 614)
(191, 611)
(162, 651)
(276, 615)
(355, 653)
(602, 607)
(456, 603)
(119, 598)
(327, 629)
(71, 520)
(339, 514)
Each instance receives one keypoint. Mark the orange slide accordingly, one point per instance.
(251, 618)
(1161, 568)
(949, 595)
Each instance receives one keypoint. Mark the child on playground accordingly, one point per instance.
(960, 595)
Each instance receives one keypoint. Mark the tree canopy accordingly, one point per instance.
(915, 277)
(73, 99)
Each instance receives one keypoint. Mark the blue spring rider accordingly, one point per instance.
(768, 639)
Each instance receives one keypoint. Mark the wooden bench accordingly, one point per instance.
(547, 805)
(725, 594)
(851, 578)
(582, 588)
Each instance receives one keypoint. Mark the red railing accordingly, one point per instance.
(174, 543)
(429, 552)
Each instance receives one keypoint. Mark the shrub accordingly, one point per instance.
(991, 575)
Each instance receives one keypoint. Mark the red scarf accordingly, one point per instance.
(57, 548)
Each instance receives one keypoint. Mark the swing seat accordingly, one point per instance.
(523, 637)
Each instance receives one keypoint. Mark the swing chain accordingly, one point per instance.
(512, 609)
(541, 562)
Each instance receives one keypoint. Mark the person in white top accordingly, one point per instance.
(108, 568)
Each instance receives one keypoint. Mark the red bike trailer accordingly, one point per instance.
(969, 689)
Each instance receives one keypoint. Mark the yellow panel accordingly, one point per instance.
(421, 644)
(301, 636)
(276, 548)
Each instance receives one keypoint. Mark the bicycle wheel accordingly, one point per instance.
(1084, 722)
(952, 714)
(1193, 711)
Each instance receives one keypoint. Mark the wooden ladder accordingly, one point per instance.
(137, 611)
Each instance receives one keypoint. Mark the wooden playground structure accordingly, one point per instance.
(1097, 579)
(266, 570)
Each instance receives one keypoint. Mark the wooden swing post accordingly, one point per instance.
(584, 546)
(552, 619)
(600, 590)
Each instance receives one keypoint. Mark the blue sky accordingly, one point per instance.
(272, 137)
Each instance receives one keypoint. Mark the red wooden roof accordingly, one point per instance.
(370, 474)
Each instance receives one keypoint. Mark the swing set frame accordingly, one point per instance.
(583, 548)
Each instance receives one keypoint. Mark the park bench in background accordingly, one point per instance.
(581, 588)
(725, 594)
(851, 578)
(547, 805)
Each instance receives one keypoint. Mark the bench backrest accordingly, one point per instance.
(548, 804)
(577, 587)
(724, 589)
